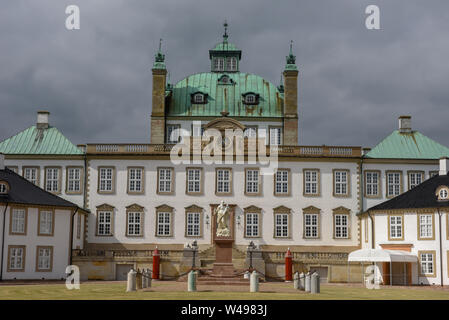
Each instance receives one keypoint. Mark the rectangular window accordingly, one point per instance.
(44, 258)
(425, 226)
(427, 263)
(252, 181)
(311, 225)
(78, 226)
(31, 174)
(135, 180)
(45, 222)
(414, 178)
(252, 225)
(16, 258)
(18, 221)
(13, 168)
(73, 180)
(396, 227)
(173, 133)
(219, 64)
(134, 223)
(193, 224)
(311, 182)
(104, 223)
(106, 180)
(372, 183)
(165, 180)
(250, 132)
(433, 173)
(194, 180)
(197, 129)
(281, 183)
(52, 176)
(223, 181)
(393, 184)
(340, 182)
(163, 224)
(275, 136)
(281, 225)
(341, 226)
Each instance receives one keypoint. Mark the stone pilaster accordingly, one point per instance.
(158, 106)
(290, 107)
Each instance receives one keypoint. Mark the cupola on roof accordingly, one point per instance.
(225, 56)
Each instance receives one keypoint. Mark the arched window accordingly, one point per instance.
(4, 187)
(443, 193)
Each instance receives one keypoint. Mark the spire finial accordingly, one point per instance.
(159, 58)
(291, 59)
(225, 36)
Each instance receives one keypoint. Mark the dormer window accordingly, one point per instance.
(443, 193)
(250, 98)
(225, 79)
(4, 187)
(199, 98)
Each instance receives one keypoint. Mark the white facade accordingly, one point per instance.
(412, 241)
(24, 264)
(266, 201)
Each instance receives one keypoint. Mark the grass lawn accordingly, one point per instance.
(177, 291)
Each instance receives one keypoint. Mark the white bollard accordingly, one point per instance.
(254, 282)
(307, 286)
(191, 281)
(302, 281)
(131, 285)
(149, 278)
(144, 279)
(296, 280)
(315, 283)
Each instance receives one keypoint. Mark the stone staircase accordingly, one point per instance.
(206, 274)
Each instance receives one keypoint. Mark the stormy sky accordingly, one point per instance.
(353, 82)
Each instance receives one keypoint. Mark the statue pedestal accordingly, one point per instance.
(223, 258)
(223, 266)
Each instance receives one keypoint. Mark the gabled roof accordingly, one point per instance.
(421, 196)
(39, 141)
(413, 145)
(21, 191)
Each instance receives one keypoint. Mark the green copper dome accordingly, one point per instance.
(227, 95)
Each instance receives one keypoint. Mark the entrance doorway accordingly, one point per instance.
(121, 271)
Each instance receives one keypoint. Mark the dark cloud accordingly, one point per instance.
(354, 83)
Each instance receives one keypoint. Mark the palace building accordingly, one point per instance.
(136, 198)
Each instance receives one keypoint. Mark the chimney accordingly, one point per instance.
(42, 119)
(444, 166)
(2, 161)
(405, 124)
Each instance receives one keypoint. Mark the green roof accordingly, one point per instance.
(39, 141)
(225, 46)
(226, 96)
(413, 145)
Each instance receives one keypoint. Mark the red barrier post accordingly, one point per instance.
(156, 262)
(288, 266)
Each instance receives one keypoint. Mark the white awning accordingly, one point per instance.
(381, 255)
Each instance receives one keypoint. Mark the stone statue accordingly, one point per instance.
(222, 213)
